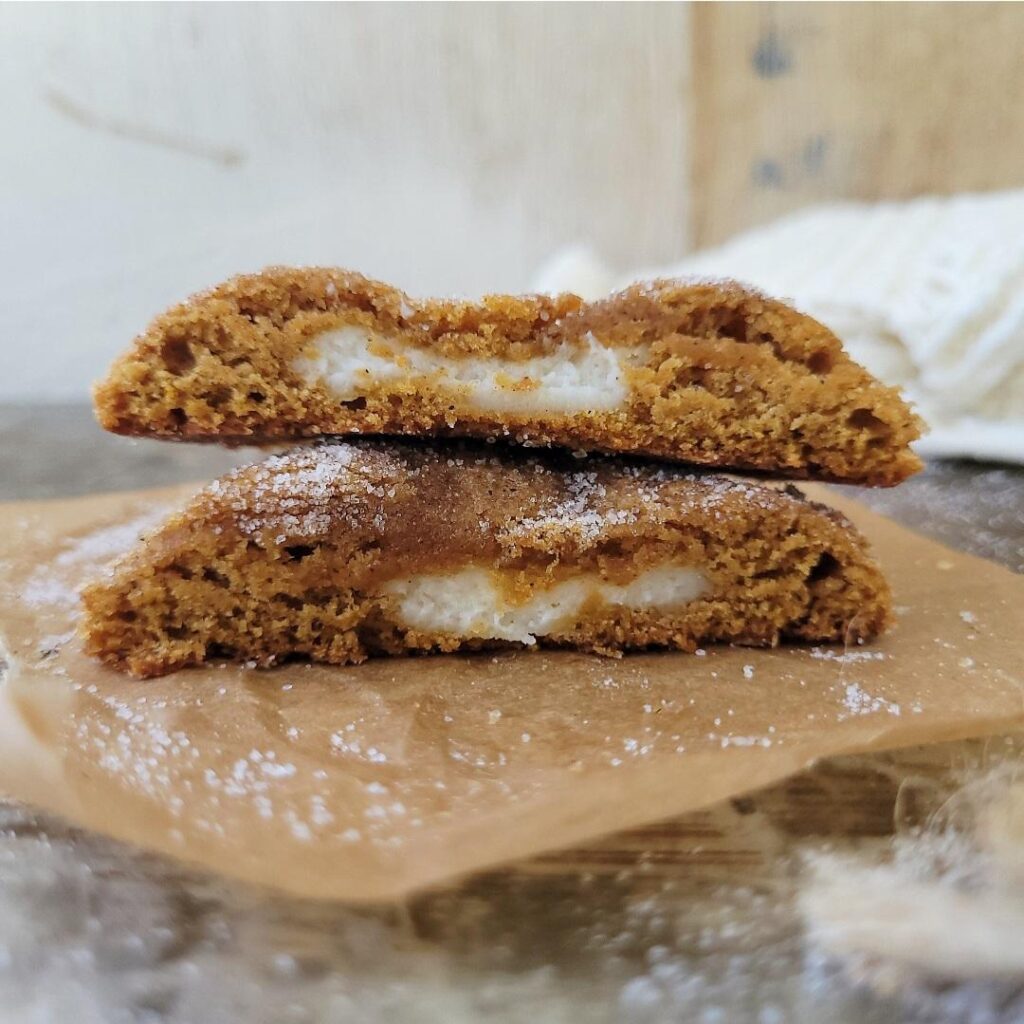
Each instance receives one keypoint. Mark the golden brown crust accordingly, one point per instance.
(288, 557)
(729, 378)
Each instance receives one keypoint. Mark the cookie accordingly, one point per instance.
(338, 552)
(711, 374)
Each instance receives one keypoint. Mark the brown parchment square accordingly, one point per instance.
(370, 782)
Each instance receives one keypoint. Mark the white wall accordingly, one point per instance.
(148, 150)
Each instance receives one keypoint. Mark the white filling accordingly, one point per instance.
(577, 380)
(472, 603)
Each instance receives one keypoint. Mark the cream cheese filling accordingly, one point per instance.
(353, 361)
(473, 602)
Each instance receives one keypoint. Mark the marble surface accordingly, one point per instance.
(691, 919)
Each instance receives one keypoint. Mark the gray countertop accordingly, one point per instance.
(92, 930)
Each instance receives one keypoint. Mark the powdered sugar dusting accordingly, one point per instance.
(846, 657)
(587, 507)
(305, 492)
(45, 589)
(57, 584)
(576, 510)
(110, 542)
(858, 701)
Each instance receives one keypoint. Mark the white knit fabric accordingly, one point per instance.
(928, 294)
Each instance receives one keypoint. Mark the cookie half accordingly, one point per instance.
(711, 374)
(338, 552)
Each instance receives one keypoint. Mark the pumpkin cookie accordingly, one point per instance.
(710, 373)
(338, 552)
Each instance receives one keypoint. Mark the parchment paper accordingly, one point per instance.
(369, 782)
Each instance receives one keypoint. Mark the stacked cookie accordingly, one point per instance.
(538, 473)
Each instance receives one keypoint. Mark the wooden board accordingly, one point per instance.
(802, 103)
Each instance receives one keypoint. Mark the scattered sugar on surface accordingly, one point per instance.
(161, 763)
(57, 585)
(49, 645)
(46, 589)
(99, 927)
(346, 743)
(105, 544)
(846, 657)
(858, 701)
(746, 741)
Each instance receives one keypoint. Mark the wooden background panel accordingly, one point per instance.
(152, 149)
(800, 103)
